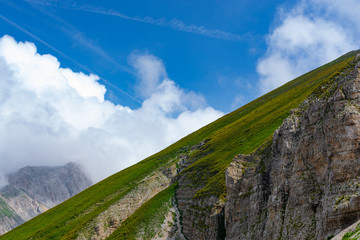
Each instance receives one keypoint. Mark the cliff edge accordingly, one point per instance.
(305, 182)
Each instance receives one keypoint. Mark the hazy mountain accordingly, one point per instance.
(284, 166)
(33, 190)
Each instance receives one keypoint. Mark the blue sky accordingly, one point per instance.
(217, 58)
(210, 47)
(108, 83)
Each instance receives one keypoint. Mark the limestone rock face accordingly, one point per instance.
(17, 207)
(33, 190)
(202, 217)
(305, 183)
(50, 185)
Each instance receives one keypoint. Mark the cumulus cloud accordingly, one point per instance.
(150, 70)
(51, 115)
(309, 35)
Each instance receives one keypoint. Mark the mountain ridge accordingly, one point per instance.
(33, 190)
(50, 185)
(196, 165)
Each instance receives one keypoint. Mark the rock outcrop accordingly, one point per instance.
(202, 217)
(107, 221)
(33, 190)
(305, 183)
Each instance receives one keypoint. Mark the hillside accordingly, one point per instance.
(185, 183)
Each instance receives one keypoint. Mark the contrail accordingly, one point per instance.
(42, 41)
(163, 22)
(174, 23)
(77, 36)
(65, 56)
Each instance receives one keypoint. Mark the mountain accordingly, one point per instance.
(304, 183)
(33, 190)
(284, 166)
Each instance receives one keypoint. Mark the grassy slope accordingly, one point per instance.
(352, 235)
(241, 131)
(143, 218)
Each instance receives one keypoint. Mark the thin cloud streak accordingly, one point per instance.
(65, 56)
(43, 42)
(174, 23)
(78, 37)
(120, 90)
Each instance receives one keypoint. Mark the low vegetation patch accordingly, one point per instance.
(5, 210)
(147, 220)
(353, 235)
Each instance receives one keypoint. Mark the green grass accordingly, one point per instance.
(65, 220)
(352, 235)
(241, 131)
(147, 218)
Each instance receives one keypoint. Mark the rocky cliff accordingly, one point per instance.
(305, 182)
(284, 166)
(202, 217)
(33, 190)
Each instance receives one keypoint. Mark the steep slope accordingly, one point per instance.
(135, 202)
(33, 190)
(305, 183)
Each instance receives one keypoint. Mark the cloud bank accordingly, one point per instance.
(310, 34)
(51, 115)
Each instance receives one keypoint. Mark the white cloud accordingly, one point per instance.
(50, 115)
(150, 70)
(307, 37)
(346, 11)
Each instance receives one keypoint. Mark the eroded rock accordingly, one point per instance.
(305, 184)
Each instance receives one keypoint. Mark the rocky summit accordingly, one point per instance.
(285, 166)
(33, 190)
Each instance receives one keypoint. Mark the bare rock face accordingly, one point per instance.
(202, 217)
(33, 190)
(50, 185)
(305, 183)
(17, 207)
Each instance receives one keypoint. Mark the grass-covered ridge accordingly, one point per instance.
(241, 131)
(248, 127)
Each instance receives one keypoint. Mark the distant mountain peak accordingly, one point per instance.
(34, 189)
